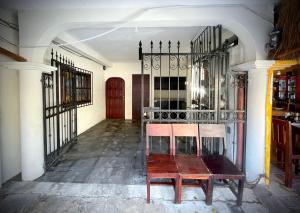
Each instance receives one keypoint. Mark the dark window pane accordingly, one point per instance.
(173, 83)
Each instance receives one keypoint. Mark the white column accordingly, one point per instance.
(256, 116)
(10, 147)
(31, 117)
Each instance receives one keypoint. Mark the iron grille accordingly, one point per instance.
(214, 93)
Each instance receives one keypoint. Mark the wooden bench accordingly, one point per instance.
(191, 167)
(160, 166)
(223, 169)
(220, 167)
(195, 167)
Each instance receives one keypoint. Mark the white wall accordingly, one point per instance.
(236, 54)
(87, 116)
(9, 124)
(257, 88)
(124, 71)
(10, 148)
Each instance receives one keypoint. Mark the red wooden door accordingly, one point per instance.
(115, 98)
(136, 95)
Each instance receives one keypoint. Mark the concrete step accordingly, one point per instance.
(83, 197)
(158, 192)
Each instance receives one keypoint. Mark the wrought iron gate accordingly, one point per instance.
(59, 108)
(196, 87)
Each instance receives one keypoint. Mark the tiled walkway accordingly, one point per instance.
(102, 173)
(107, 153)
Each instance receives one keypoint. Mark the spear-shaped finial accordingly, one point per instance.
(140, 51)
(160, 45)
(151, 46)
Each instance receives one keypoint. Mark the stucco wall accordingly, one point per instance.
(10, 148)
(9, 124)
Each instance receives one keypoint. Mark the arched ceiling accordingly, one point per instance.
(121, 45)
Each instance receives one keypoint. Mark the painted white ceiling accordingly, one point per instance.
(81, 4)
(122, 44)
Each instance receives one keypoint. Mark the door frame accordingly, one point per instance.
(132, 92)
(278, 65)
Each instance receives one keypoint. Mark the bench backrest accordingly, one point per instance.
(213, 131)
(156, 130)
(188, 130)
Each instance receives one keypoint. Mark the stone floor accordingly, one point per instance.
(279, 198)
(107, 153)
(102, 173)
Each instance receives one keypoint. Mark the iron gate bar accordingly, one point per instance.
(57, 103)
(60, 105)
(209, 40)
(160, 45)
(184, 54)
(169, 93)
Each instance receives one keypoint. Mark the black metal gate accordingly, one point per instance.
(196, 87)
(59, 108)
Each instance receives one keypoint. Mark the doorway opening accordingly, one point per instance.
(285, 126)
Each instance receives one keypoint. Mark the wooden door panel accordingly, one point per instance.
(136, 95)
(115, 98)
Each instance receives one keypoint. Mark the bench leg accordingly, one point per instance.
(178, 190)
(296, 166)
(209, 191)
(240, 192)
(148, 189)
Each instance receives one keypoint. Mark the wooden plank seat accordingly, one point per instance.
(191, 167)
(160, 166)
(221, 167)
